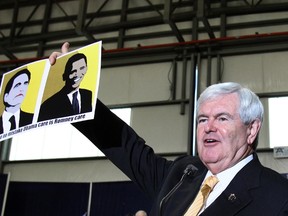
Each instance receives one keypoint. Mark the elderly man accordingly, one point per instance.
(229, 118)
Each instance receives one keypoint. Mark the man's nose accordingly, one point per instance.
(21, 89)
(210, 126)
(73, 74)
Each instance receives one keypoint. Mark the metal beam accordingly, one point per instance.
(81, 16)
(167, 19)
(123, 18)
(7, 53)
(201, 17)
(14, 21)
(44, 30)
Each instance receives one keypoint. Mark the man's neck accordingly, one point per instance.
(68, 90)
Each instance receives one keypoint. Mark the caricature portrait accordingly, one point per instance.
(14, 94)
(70, 99)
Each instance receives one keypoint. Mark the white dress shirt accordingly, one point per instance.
(6, 123)
(224, 177)
(70, 96)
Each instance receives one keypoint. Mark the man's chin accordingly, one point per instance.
(209, 157)
(75, 86)
(18, 102)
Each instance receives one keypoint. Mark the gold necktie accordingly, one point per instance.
(202, 195)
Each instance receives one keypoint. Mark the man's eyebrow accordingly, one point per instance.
(225, 114)
(201, 116)
(16, 84)
(217, 115)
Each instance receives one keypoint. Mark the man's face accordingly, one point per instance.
(222, 138)
(18, 91)
(78, 72)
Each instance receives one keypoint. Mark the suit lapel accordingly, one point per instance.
(237, 195)
(233, 200)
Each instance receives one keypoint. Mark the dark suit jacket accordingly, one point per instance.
(25, 119)
(254, 191)
(59, 105)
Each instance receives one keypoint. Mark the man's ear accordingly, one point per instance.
(253, 130)
(5, 96)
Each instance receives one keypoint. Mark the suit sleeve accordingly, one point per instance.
(125, 149)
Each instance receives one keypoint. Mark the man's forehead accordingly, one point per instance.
(82, 60)
(20, 77)
(221, 102)
(222, 98)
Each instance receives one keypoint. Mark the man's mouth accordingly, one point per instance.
(210, 140)
(76, 79)
(19, 95)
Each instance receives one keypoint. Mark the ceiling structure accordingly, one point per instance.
(31, 28)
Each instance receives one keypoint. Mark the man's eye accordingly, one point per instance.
(201, 120)
(17, 85)
(222, 119)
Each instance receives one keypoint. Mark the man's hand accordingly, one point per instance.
(54, 55)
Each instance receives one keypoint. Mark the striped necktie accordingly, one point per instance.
(202, 195)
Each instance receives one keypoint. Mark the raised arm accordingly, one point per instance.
(119, 142)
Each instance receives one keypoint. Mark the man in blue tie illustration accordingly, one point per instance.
(71, 99)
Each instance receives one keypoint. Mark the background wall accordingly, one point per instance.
(163, 127)
(126, 80)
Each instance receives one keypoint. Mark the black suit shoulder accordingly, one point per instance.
(86, 100)
(59, 105)
(279, 183)
(52, 106)
(25, 118)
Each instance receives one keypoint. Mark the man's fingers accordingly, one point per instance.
(65, 47)
(54, 55)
